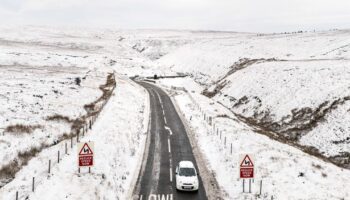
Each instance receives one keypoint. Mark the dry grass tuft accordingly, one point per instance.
(9, 170)
(58, 117)
(21, 129)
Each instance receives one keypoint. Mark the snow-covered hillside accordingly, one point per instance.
(53, 83)
(296, 85)
(210, 59)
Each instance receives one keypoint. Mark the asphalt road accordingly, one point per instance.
(167, 145)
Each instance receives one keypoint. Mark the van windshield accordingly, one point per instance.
(187, 172)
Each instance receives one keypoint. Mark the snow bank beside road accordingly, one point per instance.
(118, 135)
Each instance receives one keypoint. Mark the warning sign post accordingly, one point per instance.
(86, 154)
(246, 166)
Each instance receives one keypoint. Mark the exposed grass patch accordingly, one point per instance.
(21, 129)
(58, 117)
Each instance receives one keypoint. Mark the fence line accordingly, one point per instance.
(225, 140)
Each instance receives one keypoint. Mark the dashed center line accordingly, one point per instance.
(169, 145)
(165, 120)
(171, 167)
(171, 175)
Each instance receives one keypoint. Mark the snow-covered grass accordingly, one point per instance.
(284, 86)
(118, 134)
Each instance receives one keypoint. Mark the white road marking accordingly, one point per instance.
(140, 197)
(163, 112)
(165, 120)
(169, 145)
(171, 175)
(168, 129)
(160, 197)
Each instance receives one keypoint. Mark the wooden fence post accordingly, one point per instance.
(77, 136)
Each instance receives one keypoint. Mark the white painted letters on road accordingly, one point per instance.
(160, 197)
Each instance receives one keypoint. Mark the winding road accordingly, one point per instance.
(167, 144)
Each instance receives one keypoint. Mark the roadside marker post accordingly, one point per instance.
(49, 166)
(33, 183)
(250, 185)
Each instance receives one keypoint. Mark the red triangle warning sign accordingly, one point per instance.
(247, 162)
(85, 150)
